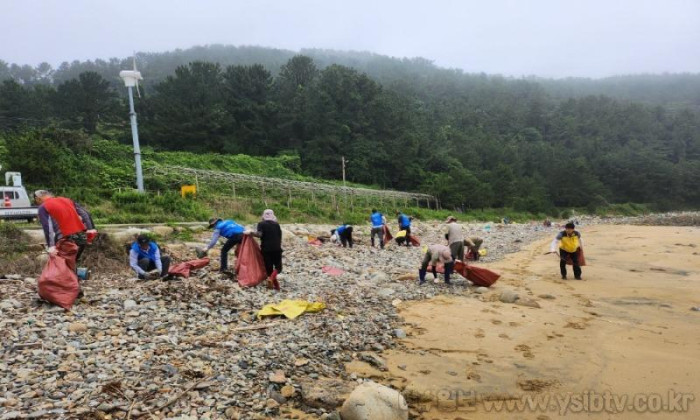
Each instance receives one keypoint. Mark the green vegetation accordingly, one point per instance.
(527, 146)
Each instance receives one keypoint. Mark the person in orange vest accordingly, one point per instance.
(7, 202)
(569, 244)
(62, 219)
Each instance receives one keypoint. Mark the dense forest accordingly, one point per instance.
(474, 140)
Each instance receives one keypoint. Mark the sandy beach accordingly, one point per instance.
(627, 329)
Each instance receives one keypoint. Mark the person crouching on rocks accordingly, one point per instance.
(270, 234)
(344, 233)
(145, 259)
(436, 254)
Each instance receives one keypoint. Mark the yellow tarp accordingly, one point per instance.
(291, 308)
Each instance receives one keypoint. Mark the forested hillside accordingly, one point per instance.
(474, 140)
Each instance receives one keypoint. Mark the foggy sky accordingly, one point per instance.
(555, 38)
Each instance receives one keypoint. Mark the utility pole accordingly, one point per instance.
(343, 159)
(131, 78)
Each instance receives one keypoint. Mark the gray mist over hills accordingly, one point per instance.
(543, 38)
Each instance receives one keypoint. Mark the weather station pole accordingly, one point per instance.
(131, 78)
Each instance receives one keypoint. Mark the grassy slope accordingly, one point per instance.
(106, 188)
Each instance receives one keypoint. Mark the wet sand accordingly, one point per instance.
(627, 328)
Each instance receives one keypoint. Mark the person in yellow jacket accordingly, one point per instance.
(570, 242)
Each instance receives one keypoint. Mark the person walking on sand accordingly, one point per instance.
(378, 221)
(570, 243)
(270, 234)
(455, 238)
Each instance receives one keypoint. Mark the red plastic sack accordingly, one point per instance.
(183, 269)
(58, 283)
(332, 271)
(387, 234)
(250, 267)
(415, 241)
(581, 258)
(315, 242)
(477, 275)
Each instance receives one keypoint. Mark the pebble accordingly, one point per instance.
(129, 304)
(508, 296)
(77, 327)
(481, 290)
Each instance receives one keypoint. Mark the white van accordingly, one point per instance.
(14, 201)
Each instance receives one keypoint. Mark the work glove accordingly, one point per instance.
(247, 232)
(52, 251)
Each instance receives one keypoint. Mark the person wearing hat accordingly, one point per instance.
(232, 231)
(569, 244)
(455, 238)
(63, 220)
(344, 233)
(145, 259)
(435, 255)
(270, 234)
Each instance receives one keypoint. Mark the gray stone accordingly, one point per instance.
(399, 333)
(386, 292)
(481, 290)
(371, 401)
(129, 304)
(509, 296)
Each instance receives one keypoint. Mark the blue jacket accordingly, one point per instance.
(377, 220)
(404, 221)
(228, 228)
(340, 229)
(150, 254)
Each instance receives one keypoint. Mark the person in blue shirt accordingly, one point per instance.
(232, 231)
(405, 224)
(378, 221)
(144, 257)
(344, 233)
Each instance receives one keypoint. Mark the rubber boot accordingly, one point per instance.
(421, 276)
(448, 271)
(275, 283)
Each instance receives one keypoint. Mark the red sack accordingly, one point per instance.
(250, 267)
(315, 242)
(415, 241)
(479, 275)
(581, 258)
(332, 271)
(58, 283)
(387, 234)
(183, 269)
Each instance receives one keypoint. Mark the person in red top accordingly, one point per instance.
(62, 219)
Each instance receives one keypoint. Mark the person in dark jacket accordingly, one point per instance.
(344, 233)
(232, 231)
(145, 257)
(270, 234)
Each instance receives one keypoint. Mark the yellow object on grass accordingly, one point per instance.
(291, 308)
(188, 190)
